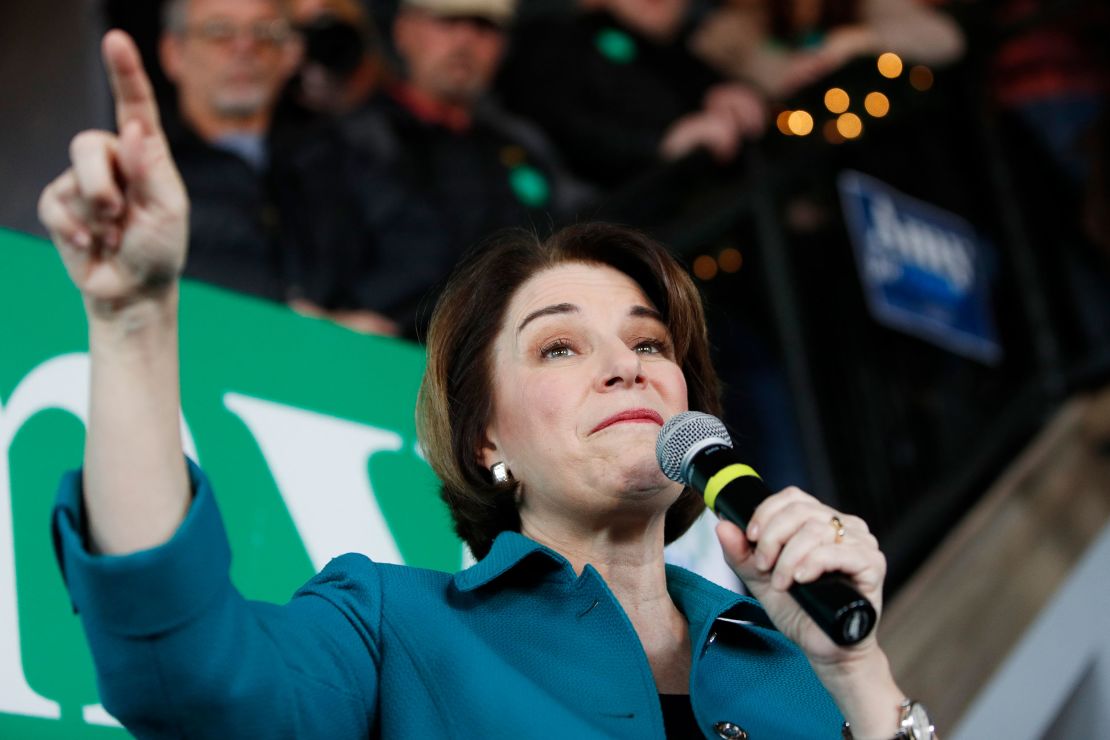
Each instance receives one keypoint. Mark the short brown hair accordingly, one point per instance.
(455, 404)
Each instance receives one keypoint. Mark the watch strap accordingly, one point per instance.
(904, 720)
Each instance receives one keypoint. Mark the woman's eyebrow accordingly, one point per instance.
(646, 312)
(558, 308)
(562, 308)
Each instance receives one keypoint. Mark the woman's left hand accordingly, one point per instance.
(793, 537)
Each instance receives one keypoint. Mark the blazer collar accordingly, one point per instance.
(509, 550)
(701, 600)
(704, 603)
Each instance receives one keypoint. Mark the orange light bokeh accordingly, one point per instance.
(730, 259)
(836, 100)
(782, 121)
(877, 104)
(800, 123)
(705, 267)
(890, 65)
(921, 77)
(849, 125)
(832, 134)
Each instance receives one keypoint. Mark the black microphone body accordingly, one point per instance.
(733, 490)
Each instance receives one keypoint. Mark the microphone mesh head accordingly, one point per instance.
(681, 434)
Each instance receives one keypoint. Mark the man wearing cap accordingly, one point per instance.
(443, 137)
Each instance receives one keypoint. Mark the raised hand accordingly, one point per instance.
(119, 217)
(119, 214)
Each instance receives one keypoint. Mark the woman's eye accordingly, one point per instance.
(649, 346)
(556, 350)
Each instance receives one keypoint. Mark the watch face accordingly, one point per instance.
(920, 726)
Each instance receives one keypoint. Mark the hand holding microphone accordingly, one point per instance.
(695, 449)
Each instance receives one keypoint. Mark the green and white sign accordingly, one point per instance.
(305, 429)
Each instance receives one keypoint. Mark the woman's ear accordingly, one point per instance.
(489, 452)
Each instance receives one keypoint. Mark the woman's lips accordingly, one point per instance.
(633, 415)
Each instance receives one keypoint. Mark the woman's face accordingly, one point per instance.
(584, 376)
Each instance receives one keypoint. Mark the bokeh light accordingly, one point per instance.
(876, 104)
(705, 267)
(836, 100)
(831, 133)
(849, 125)
(890, 65)
(730, 259)
(921, 77)
(800, 123)
(783, 122)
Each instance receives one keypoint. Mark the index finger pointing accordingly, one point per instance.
(130, 85)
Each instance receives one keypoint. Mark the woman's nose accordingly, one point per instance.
(622, 368)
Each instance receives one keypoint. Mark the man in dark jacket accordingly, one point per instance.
(282, 207)
(443, 137)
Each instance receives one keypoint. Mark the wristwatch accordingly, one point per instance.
(914, 724)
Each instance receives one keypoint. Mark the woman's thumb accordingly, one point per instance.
(734, 544)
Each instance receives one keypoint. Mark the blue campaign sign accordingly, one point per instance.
(924, 270)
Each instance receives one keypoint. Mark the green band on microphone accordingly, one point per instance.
(722, 478)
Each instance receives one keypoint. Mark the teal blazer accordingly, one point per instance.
(517, 645)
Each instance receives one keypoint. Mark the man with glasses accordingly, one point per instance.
(229, 61)
(282, 208)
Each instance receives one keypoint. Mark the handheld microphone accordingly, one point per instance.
(695, 449)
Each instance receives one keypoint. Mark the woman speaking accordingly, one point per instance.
(551, 368)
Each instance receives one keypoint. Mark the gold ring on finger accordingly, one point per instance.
(839, 527)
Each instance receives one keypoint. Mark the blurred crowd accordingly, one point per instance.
(340, 156)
